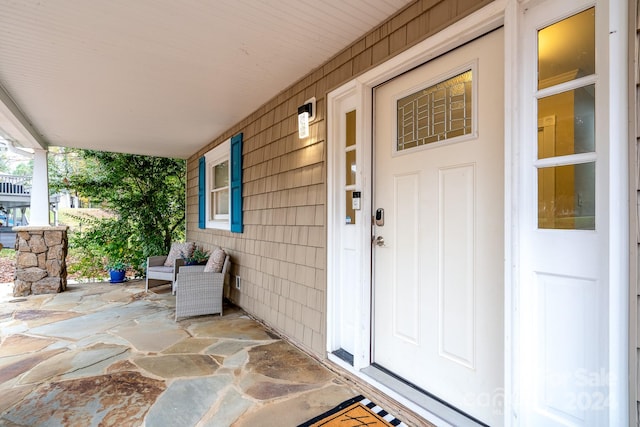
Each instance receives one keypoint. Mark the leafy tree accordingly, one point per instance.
(4, 162)
(145, 194)
(62, 162)
(24, 168)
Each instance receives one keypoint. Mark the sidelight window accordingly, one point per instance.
(566, 100)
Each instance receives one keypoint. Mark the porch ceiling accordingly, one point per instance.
(160, 77)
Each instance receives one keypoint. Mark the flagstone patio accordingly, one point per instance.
(102, 354)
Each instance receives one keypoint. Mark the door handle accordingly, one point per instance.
(379, 241)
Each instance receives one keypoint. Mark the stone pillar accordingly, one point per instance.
(41, 266)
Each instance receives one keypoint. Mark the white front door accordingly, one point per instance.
(438, 249)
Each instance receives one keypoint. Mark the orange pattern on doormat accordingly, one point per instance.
(352, 416)
(356, 412)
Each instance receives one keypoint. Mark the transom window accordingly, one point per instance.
(436, 113)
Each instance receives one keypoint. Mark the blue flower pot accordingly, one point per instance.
(117, 276)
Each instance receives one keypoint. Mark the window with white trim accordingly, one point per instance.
(217, 187)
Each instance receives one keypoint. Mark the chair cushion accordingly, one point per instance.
(160, 269)
(178, 250)
(216, 261)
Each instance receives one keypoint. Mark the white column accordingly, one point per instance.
(40, 190)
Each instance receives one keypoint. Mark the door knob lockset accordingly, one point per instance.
(379, 241)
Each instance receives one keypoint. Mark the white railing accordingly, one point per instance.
(15, 185)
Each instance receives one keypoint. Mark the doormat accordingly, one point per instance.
(358, 411)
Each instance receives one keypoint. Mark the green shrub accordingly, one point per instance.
(145, 197)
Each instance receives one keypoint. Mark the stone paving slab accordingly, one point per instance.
(103, 338)
(63, 301)
(95, 304)
(190, 345)
(230, 347)
(238, 328)
(115, 399)
(282, 361)
(146, 337)
(83, 362)
(19, 365)
(12, 396)
(96, 322)
(178, 365)
(102, 354)
(34, 318)
(238, 360)
(22, 344)
(227, 409)
(12, 328)
(186, 401)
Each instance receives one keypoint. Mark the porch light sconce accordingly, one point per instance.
(306, 114)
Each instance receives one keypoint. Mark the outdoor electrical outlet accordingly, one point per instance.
(237, 282)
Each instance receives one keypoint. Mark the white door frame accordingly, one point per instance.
(359, 91)
(494, 15)
(345, 99)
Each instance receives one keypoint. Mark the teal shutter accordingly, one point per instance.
(202, 196)
(236, 184)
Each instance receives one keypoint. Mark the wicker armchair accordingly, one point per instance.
(158, 273)
(199, 292)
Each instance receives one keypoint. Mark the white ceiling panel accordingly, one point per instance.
(164, 77)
